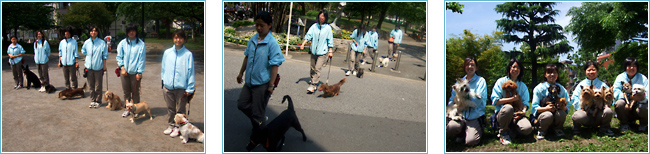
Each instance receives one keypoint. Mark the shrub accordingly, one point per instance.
(83, 37)
(312, 13)
(120, 35)
(242, 23)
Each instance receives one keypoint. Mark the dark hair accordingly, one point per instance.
(631, 61)
(361, 30)
(521, 68)
(42, 38)
(550, 67)
(469, 59)
(265, 16)
(91, 29)
(589, 63)
(13, 37)
(374, 27)
(132, 27)
(318, 17)
(396, 26)
(69, 30)
(179, 33)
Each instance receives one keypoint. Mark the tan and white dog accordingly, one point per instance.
(188, 130)
(138, 108)
(462, 100)
(114, 101)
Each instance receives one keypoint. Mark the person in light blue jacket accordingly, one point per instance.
(16, 52)
(320, 34)
(550, 116)
(96, 54)
(473, 130)
(625, 112)
(585, 118)
(68, 54)
(503, 106)
(41, 57)
(358, 45)
(372, 43)
(261, 63)
(131, 57)
(177, 75)
(392, 46)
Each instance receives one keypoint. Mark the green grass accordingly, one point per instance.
(196, 45)
(587, 141)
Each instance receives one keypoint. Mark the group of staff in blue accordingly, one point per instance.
(549, 118)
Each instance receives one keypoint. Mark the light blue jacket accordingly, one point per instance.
(637, 79)
(321, 38)
(42, 52)
(478, 86)
(261, 57)
(397, 34)
(575, 98)
(68, 51)
(131, 55)
(373, 40)
(497, 93)
(177, 70)
(360, 38)
(96, 52)
(15, 50)
(541, 91)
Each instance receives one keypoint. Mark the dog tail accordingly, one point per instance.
(342, 81)
(290, 102)
(84, 87)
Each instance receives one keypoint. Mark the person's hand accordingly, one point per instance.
(302, 47)
(59, 64)
(270, 89)
(628, 107)
(515, 98)
(138, 77)
(330, 54)
(76, 65)
(240, 79)
(550, 107)
(104, 69)
(187, 94)
(10, 56)
(123, 73)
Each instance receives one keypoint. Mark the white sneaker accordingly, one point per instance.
(92, 104)
(347, 73)
(625, 128)
(354, 72)
(42, 89)
(169, 130)
(540, 135)
(97, 104)
(175, 132)
(311, 88)
(642, 128)
(505, 139)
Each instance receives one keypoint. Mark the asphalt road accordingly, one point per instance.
(40, 122)
(378, 113)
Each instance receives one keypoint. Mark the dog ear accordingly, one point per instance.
(591, 87)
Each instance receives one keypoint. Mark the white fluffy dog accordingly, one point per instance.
(188, 130)
(462, 100)
(383, 62)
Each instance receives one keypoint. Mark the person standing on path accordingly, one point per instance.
(41, 57)
(96, 54)
(372, 43)
(320, 34)
(68, 54)
(177, 75)
(396, 34)
(130, 57)
(16, 52)
(359, 47)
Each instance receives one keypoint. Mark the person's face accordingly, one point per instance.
(93, 32)
(374, 29)
(551, 76)
(470, 69)
(179, 41)
(14, 40)
(39, 35)
(132, 34)
(261, 27)
(591, 72)
(514, 71)
(321, 18)
(631, 69)
(67, 35)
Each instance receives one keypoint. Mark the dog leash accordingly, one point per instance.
(329, 70)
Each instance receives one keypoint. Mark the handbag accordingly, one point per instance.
(391, 39)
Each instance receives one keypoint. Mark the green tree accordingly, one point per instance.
(83, 15)
(490, 59)
(454, 7)
(165, 12)
(33, 16)
(638, 50)
(535, 20)
(598, 25)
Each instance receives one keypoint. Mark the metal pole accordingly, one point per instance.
(288, 30)
(399, 56)
(374, 60)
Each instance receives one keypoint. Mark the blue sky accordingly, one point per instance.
(480, 18)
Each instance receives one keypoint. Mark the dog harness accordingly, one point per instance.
(185, 122)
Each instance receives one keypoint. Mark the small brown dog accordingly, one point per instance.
(332, 90)
(114, 101)
(138, 108)
(587, 98)
(69, 93)
(510, 89)
(627, 90)
(599, 100)
(609, 96)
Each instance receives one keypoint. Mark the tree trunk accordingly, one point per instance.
(338, 14)
(169, 26)
(533, 47)
(158, 28)
(304, 9)
(382, 16)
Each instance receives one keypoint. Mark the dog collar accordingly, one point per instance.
(134, 109)
(183, 123)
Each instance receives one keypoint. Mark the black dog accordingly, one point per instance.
(360, 74)
(272, 135)
(32, 79)
(49, 88)
(553, 92)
